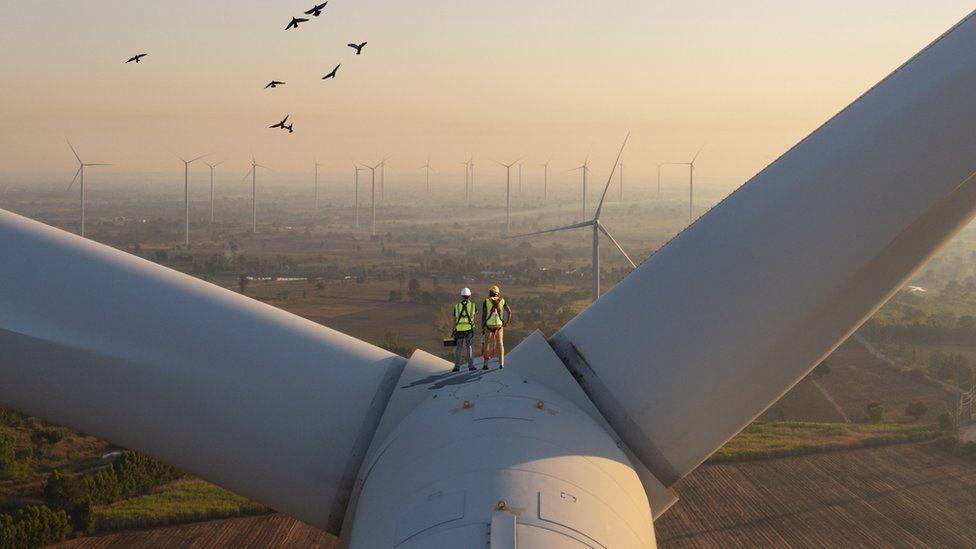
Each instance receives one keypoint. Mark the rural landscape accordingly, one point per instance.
(885, 405)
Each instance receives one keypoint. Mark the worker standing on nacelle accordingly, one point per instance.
(464, 313)
(495, 315)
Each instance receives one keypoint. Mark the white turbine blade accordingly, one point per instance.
(696, 155)
(72, 147)
(726, 317)
(613, 170)
(96, 164)
(267, 404)
(606, 232)
(248, 174)
(75, 178)
(198, 158)
(566, 228)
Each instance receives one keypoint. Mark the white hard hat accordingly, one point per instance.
(465, 292)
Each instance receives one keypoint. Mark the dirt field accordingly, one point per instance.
(857, 378)
(911, 495)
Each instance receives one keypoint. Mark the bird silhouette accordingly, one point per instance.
(317, 10)
(358, 47)
(290, 127)
(136, 58)
(333, 73)
(295, 21)
(274, 84)
(280, 124)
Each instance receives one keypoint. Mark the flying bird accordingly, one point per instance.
(136, 58)
(290, 127)
(333, 73)
(358, 47)
(280, 124)
(317, 10)
(295, 21)
(274, 84)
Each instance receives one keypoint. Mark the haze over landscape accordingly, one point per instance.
(789, 363)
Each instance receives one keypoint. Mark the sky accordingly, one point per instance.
(446, 78)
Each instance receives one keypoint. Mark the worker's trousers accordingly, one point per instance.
(493, 345)
(464, 342)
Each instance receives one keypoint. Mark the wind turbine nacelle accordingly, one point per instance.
(482, 459)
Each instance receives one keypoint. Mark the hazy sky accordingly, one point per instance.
(445, 77)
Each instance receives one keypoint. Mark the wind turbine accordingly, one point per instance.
(254, 192)
(372, 171)
(545, 181)
(382, 166)
(427, 167)
(520, 178)
(212, 168)
(585, 169)
(467, 181)
(186, 194)
(81, 172)
(358, 169)
(691, 182)
(598, 228)
(659, 181)
(471, 164)
(508, 193)
(317, 165)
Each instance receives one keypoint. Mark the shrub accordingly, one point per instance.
(876, 412)
(916, 410)
(32, 526)
(947, 423)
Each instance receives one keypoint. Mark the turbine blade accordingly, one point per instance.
(72, 147)
(75, 178)
(740, 306)
(203, 378)
(198, 158)
(606, 188)
(566, 228)
(606, 232)
(96, 164)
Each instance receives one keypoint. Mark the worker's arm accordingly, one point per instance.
(508, 313)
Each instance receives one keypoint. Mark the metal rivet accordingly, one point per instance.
(540, 405)
(467, 404)
(502, 506)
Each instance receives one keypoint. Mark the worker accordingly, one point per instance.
(495, 315)
(464, 314)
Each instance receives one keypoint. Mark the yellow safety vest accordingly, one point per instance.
(495, 309)
(464, 316)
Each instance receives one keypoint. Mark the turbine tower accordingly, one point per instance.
(585, 170)
(427, 168)
(212, 168)
(508, 194)
(186, 195)
(81, 173)
(598, 228)
(467, 182)
(254, 192)
(691, 183)
(358, 169)
(317, 166)
(382, 166)
(372, 176)
(545, 181)
(659, 182)
(520, 178)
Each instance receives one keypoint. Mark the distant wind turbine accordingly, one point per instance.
(81, 172)
(467, 181)
(545, 181)
(427, 168)
(471, 169)
(317, 166)
(508, 193)
(212, 168)
(358, 169)
(585, 169)
(598, 228)
(254, 192)
(520, 178)
(186, 193)
(382, 166)
(372, 172)
(691, 183)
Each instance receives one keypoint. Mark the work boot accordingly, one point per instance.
(472, 369)
(501, 366)
(485, 367)
(456, 369)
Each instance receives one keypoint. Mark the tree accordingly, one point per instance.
(414, 285)
(8, 456)
(395, 296)
(242, 284)
(876, 412)
(916, 410)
